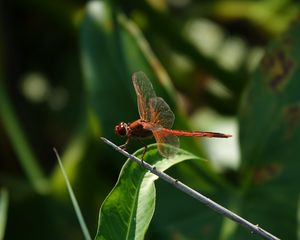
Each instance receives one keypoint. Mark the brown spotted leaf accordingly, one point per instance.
(270, 138)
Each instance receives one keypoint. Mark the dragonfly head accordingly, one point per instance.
(122, 129)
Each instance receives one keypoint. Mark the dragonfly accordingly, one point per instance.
(156, 120)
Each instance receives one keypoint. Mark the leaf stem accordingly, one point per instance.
(198, 196)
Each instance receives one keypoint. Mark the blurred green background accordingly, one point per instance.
(65, 80)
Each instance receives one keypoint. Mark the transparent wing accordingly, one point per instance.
(144, 92)
(166, 145)
(160, 113)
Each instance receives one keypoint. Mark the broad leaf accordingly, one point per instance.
(270, 138)
(127, 211)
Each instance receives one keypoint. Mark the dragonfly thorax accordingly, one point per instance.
(122, 129)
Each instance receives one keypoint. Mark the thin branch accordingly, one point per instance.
(206, 201)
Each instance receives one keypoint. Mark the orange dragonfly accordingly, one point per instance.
(156, 120)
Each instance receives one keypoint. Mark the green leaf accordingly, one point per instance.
(270, 138)
(128, 209)
(3, 211)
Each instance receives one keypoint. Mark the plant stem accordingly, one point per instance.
(198, 196)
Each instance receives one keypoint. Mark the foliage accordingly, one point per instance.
(65, 81)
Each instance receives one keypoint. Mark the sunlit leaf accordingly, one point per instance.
(127, 211)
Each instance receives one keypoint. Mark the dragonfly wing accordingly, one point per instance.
(152, 126)
(167, 145)
(160, 113)
(144, 92)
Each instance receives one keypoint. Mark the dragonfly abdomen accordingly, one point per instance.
(168, 132)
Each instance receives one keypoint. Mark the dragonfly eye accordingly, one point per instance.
(121, 129)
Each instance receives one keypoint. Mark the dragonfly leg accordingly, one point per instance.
(124, 146)
(144, 151)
